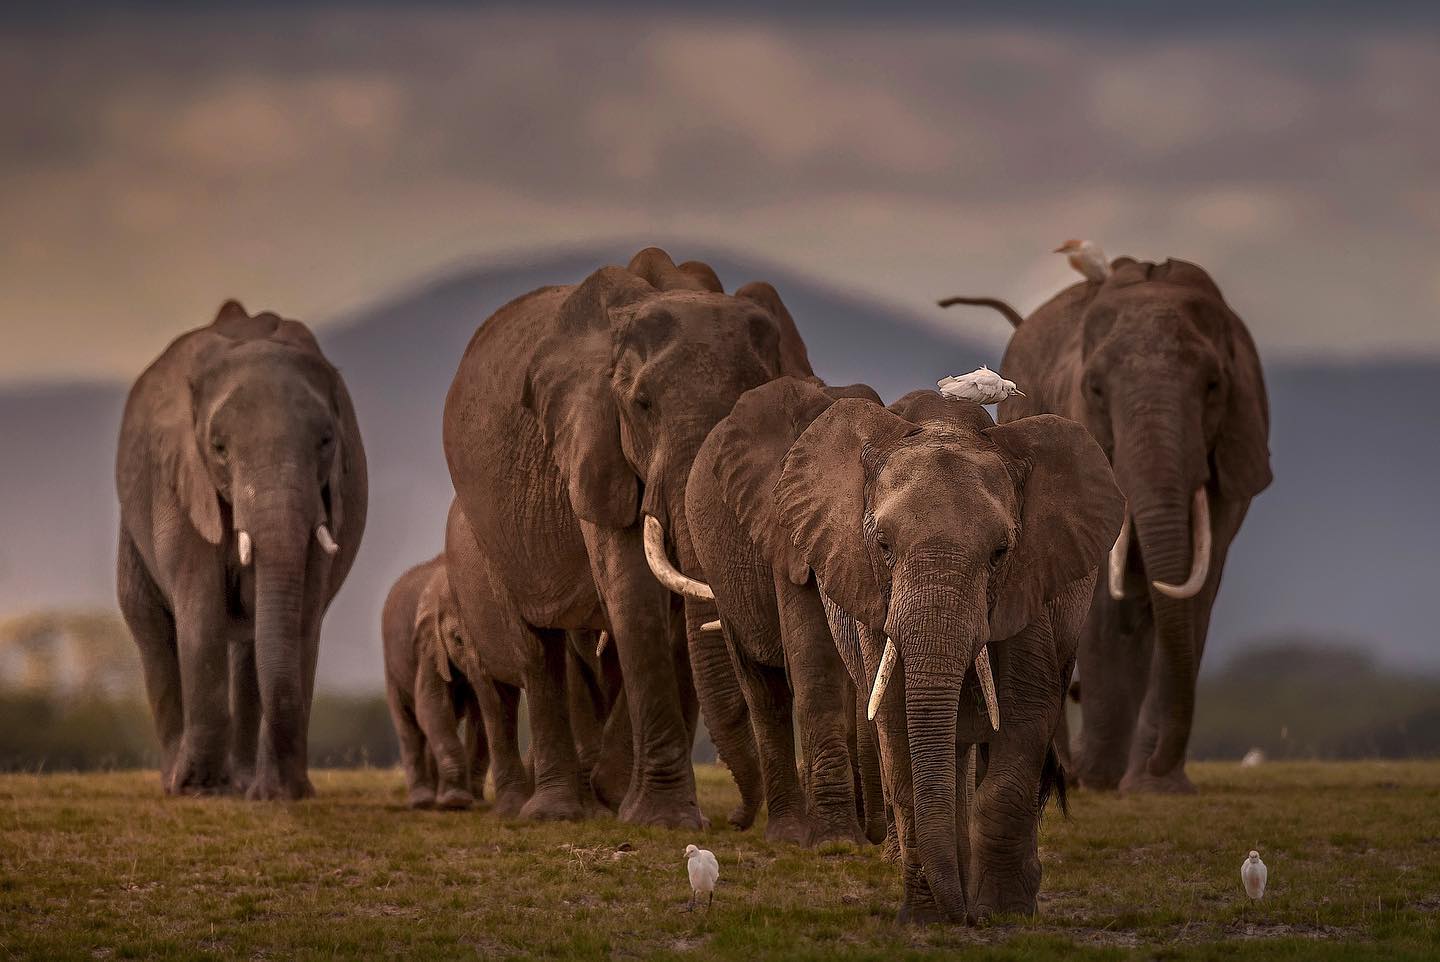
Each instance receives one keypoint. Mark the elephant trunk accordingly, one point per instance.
(931, 706)
(1160, 495)
(282, 530)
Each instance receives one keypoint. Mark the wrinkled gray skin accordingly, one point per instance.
(431, 701)
(927, 524)
(775, 625)
(575, 413)
(1166, 377)
(239, 425)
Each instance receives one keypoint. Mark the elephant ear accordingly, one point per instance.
(427, 631)
(749, 446)
(1070, 514)
(348, 452)
(568, 391)
(794, 359)
(1242, 448)
(655, 267)
(821, 495)
(178, 450)
(705, 274)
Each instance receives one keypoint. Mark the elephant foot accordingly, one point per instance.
(661, 811)
(194, 776)
(890, 848)
(455, 799)
(794, 829)
(269, 787)
(1174, 782)
(509, 802)
(552, 806)
(921, 913)
(837, 830)
(742, 816)
(421, 797)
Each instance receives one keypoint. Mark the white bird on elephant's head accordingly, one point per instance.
(982, 386)
(1253, 873)
(1087, 258)
(704, 871)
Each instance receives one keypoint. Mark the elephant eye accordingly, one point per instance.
(998, 555)
(457, 639)
(1213, 386)
(642, 400)
(883, 544)
(218, 446)
(326, 441)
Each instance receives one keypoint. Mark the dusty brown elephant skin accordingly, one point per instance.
(430, 699)
(570, 426)
(1167, 379)
(242, 487)
(774, 623)
(949, 542)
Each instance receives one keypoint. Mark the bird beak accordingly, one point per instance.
(1061, 249)
(1019, 393)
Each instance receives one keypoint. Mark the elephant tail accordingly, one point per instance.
(1052, 782)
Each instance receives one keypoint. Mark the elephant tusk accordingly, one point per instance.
(711, 626)
(322, 535)
(1119, 554)
(243, 540)
(663, 570)
(1200, 562)
(987, 685)
(600, 645)
(882, 678)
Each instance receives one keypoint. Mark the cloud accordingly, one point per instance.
(314, 160)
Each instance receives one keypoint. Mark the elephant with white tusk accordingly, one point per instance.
(243, 491)
(948, 561)
(1165, 375)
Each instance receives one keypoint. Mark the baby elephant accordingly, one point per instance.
(429, 698)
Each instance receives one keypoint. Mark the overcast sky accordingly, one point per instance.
(311, 159)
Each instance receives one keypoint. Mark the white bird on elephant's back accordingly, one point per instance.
(704, 871)
(1254, 873)
(1087, 258)
(983, 386)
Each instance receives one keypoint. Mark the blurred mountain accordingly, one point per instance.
(1345, 541)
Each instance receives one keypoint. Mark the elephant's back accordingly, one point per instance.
(1045, 355)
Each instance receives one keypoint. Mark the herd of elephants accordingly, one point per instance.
(660, 512)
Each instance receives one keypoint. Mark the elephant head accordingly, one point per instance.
(439, 634)
(647, 360)
(941, 532)
(259, 461)
(1171, 387)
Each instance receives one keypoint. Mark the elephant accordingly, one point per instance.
(1166, 377)
(934, 540)
(775, 625)
(569, 430)
(242, 486)
(430, 699)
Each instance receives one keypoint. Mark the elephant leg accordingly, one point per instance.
(150, 624)
(1004, 827)
(500, 708)
(874, 809)
(820, 683)
(769, 698)
(435, 713)
(727, 717)
(202, 635)
(414, 754)
(586, 700)
(1116, 645)
(662, 790)
(244, 710)
(552, 740)
(479, 746)
(610, 780)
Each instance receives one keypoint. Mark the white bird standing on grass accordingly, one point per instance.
(1253, 873)
(983, 386)
(1087, 258)
(704, 872)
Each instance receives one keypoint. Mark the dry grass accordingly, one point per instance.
(100, 866)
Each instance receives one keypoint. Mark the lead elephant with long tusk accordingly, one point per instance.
(1166, 377)
(569, 430)
(242, 490)
(951, 561)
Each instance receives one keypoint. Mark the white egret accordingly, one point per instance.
(983, 386)
(1087, 258)
(704, 872)
(1253, 873)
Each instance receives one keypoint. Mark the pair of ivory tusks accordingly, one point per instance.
(1199, 560)
(982, 671)
(604, 641)
(322, 535)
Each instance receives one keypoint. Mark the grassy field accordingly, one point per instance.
(100, 866)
